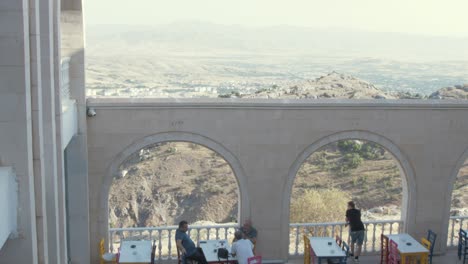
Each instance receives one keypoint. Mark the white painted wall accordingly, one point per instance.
(69, 121)
(8, 204)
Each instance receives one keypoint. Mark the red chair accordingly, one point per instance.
(383, 249)
(312, 255)
(254, 260)
(394, 254)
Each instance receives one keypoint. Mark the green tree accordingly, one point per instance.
(347, 146)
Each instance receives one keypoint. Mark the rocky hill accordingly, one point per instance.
(165, 183)
(333, 85)
(453, 92)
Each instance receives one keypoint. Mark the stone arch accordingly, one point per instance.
(448, 200)
(112, 170)
(408, 179)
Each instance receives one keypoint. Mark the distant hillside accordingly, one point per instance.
(200, 37)
(334, 85)
(453, 92)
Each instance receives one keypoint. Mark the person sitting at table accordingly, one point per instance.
(353, 218)
(249, 231)
(186, 246)
(242, 248)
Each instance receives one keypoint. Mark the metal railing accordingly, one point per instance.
(166, 249)
(455, 223)
(371, 239)
(165, 237)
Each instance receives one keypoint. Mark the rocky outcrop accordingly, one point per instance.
(331, 86)
(452, 92)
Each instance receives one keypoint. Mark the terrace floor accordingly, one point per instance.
(449, 258)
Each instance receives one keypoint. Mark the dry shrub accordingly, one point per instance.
(319, 206)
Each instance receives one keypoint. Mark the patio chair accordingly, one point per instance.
(394, 254)
(427, 244)
(338, 240)
(431, 237)
(383, 249)
(102, 252)
(346, 250)
(180, 257)
(313, 256)
(153, 252)
(254, 260)
(462, 245)
(306, 250)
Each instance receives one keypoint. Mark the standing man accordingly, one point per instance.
(353, 218)
(242, 248)
(186, 246)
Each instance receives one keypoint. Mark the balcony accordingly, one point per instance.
(166, 249)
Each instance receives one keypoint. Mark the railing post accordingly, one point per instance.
(159, 244)
(373, 238)
(169, 243)
(297, 241)
(111, 241)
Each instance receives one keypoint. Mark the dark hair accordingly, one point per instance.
(182, 223)
(351, 204)
(238, 234)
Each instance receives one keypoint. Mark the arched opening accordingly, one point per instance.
(458, 205)
(163, 183)
(356, 165)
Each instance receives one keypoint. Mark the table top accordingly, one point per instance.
(210, 249)
(135, 251)
(326, 247)
(407, 244)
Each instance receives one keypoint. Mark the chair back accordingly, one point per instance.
(153, 252)
(462, 246)
(254, 260)
(346, 250)
(383, 249)
(102, 250)
(306, 250)
(431, 236)
(179, 257)
(313, 256)
(338, 240)
(394, 254)
(426, 243)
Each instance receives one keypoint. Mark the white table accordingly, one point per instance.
(210, 249)
(326, 248)
(135, 251)
(408, 246)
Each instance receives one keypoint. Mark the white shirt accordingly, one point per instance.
(243, 249)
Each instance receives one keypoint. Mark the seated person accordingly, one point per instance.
(186, 246)
(249, 231)
(242, 248)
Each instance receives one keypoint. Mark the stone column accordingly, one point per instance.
(16, 142)
(49, 127)
(37, 131)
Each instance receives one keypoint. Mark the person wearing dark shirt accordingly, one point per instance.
(357, 231)
(186, 246)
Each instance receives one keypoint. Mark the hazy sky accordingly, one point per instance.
(432, 17)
